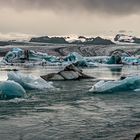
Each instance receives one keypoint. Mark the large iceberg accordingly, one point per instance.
(11, 89)
(76, 58)
(38, 56)
(17, 55)
(115, 60)
(127, 60)
(129, 83)
(29, 82)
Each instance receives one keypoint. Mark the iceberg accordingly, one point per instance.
(123, 57)
(17, 55)
(76, 58)
(131, 60)
(130, 83)
(10, 90)
(29, 82)
(38, 56)
(115, 59)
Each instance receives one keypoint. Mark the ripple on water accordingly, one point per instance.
(71, 113)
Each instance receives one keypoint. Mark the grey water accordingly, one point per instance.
(70, 112)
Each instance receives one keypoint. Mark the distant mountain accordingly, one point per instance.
(19, 43)
(60, 40)
(69, 40)
(98, 41)
(46, 39)
(4, 43)
(122, 38)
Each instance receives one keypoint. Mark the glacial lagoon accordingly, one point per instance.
(70, 112)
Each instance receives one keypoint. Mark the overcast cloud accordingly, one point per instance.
(61, 17)
(114, 7)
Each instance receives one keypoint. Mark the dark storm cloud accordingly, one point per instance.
(114, 7)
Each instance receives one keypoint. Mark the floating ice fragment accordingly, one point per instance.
(11, 89)
(29, 82)
(17, 100)
(127, 84)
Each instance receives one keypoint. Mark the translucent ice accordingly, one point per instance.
(14, 55)
(11, 89)
(17, 55)
(127, 84)
(74, 57)
(39, 56)
(131, 60)
(29, 82)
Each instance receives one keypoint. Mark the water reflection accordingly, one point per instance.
(98, 72)
(71, 112)
(117, 72)
(33, 70)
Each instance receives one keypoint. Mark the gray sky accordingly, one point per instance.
(62, 17)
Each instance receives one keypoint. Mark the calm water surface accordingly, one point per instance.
(70, 112)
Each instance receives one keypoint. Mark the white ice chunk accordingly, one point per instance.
(129, 83)
(29, 82)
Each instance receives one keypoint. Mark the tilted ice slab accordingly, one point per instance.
(29, 82)
(11, 89)
(127, 84)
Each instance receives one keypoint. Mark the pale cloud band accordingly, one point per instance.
(113, 7)
(61, 17)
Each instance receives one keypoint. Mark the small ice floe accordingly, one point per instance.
(130, 83)
(137, 90)
(29, 82)
(17, 100)
(10, 89)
